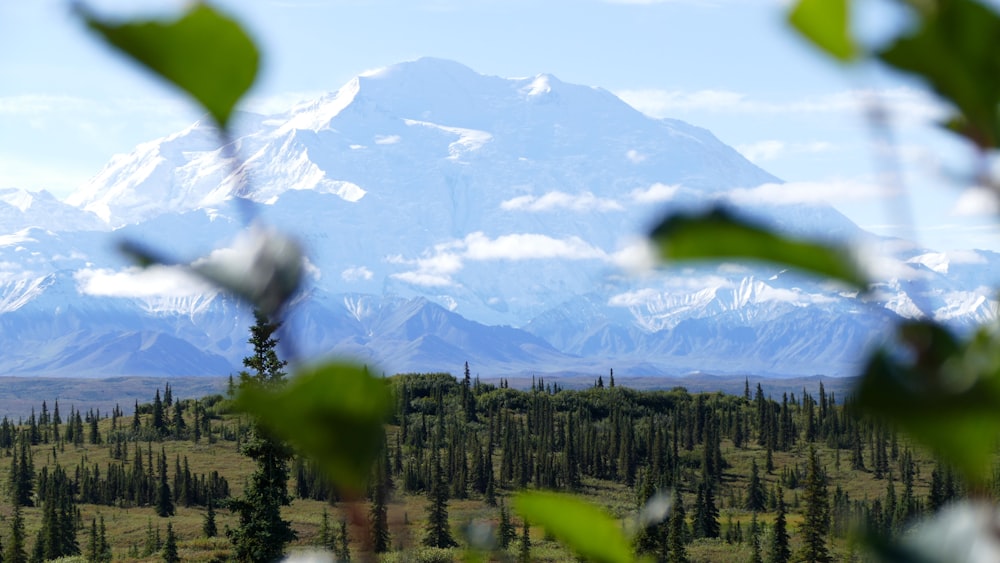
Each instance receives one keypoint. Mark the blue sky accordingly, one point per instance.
(68, 104)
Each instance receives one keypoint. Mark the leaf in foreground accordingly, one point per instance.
(205, 53)
(943, 392)
(332, 413)
(579, 525)
(717, 234)
(955, 50)
(827, 24)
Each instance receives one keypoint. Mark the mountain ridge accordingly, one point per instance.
(449, 217)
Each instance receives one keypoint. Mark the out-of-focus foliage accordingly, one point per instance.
(956, 50)
(204, 53)
(332, 413)
(579, 525)
(718, 234)
(827, 24)
(944, 392)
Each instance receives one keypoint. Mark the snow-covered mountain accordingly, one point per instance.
(448, 217)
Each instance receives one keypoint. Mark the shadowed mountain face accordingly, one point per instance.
(448, 217)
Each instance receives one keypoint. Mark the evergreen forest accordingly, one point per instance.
(691, 477)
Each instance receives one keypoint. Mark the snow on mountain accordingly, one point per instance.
(21, 209)
(448, 217)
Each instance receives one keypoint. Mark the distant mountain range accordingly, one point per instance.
(448, 217)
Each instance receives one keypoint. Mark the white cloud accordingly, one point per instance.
(445, 263)
(585, 201)
(810, 192)
(655, 194)
(634, 156)
(637, 256)
(881, 265)
(387, 139)
(438, 265)
(900, 103)
(156, 281)
(356, 273)
(528, 247)
(772, 149)
(966, 257)
(976, 201)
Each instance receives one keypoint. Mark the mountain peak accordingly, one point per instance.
(423, 66)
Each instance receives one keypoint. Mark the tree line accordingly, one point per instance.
(461, 438)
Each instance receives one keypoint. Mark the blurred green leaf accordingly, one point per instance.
(827, 24)
(579, 525)
(717, 234)
(143, 256)
(956, 49)
(205, 53)
(332, 413)
(944, 393)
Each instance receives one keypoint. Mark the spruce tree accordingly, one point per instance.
(677, 531)
(103, 547)
(15, 548)
(706, 514)
(380, 513)
(91, 553)
(524, 555)
(438, 532)
(344, 550)
(170, 546)
(164, 499)
(780, 552)
(159, 422)
(208, 527)
(22, 473)
(755, 490)
(262, 534)
(327, 538)
(506, 532)
(179, 428)
(755, 533)
(816, 523)
(438, 529)
(136, 419)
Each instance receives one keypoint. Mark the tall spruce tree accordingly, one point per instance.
(524, 555)
(506, 532)
(22, 473)
(92, 550)
(15, 551)
(780, 552)
(438, 532)
(103, 546)
(159, 422)
(677, 531)
(380, 498)
(816, 523)
(755, 490)
(706, 513)
(262, 534)
(208, 526)
(164, 499)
